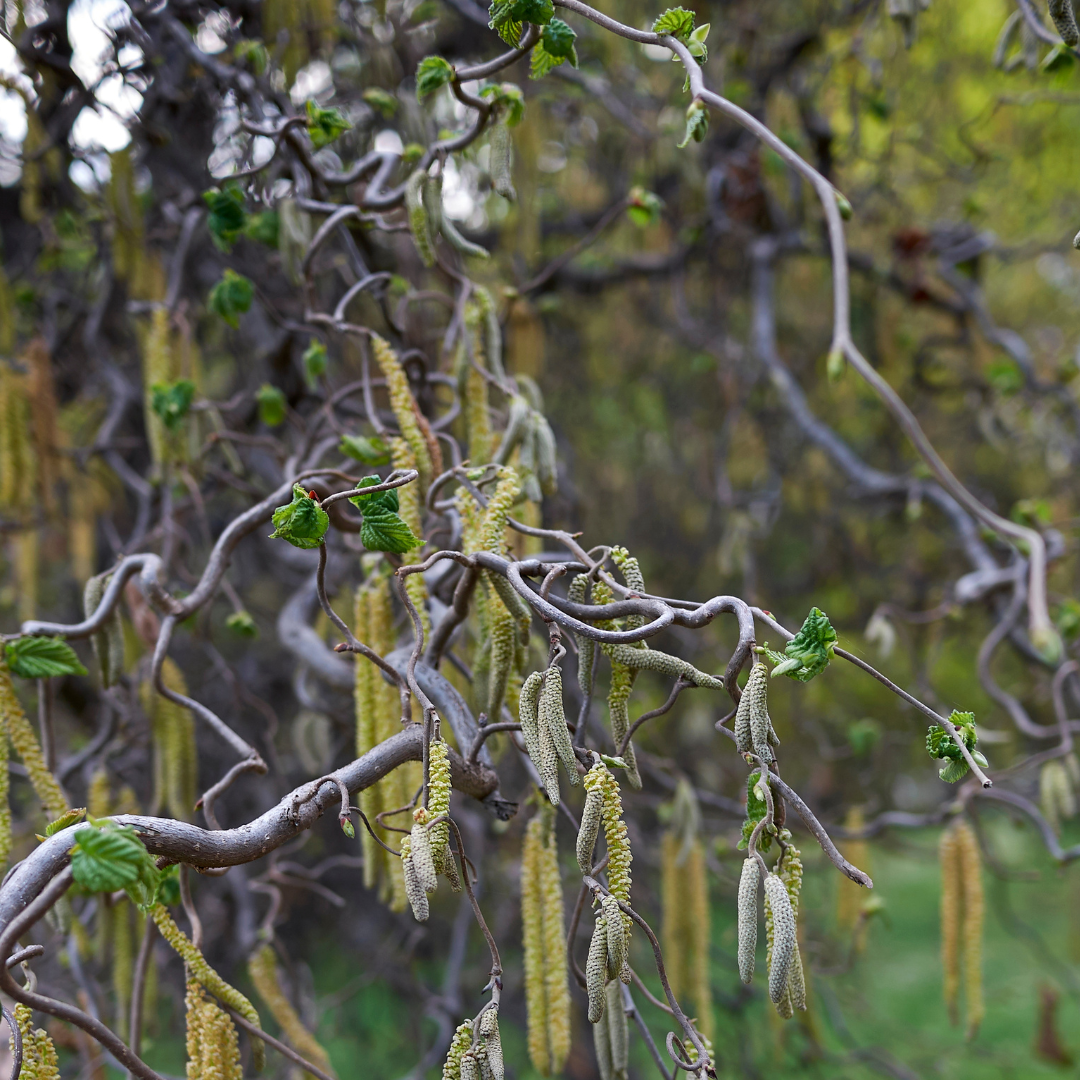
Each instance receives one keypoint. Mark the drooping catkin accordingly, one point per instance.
(577, 593)
(596, 969)
(419, 223)
(490, 1043)
(176, 755)
(403, 457)
(39, 1054)
(485, 307)
(43, 409)
(5, 777)
(414, 887)
(409, 419)
(951, 903)
(547, 995)
(439, 787)
(266, 978)
(782, 919)
(552, 715)
(18, 473)
(125, 217)
(849, 896)
(602, 1046)
(529, 716)
(615, 836)
(469, 362)
(973, 912)
(123, 959)
(1061, 11)
(791, 873)
(203, 974)
(422, 859)
(501, 161)
(592, 818)
(685, 927)
(1057, 799)
(25, 742)
(108, 642)
(159, 366)
(213, 1045)
(749, 886)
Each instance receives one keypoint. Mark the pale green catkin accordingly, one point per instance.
(490, 1040)
(108, 642)
(784, 939)
(591, 819)
(596, 969)
(528, 715)
(753, 728)
(749, 885)
(552, 715)
(1061, 11)
(618, 1032)
(652, 660)
(419, 224)
(502, 161)
(617, 950)
(414, 888)
(576, 593)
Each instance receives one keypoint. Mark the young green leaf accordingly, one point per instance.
(42, 658)
(940, 745)
(677, 21)
(432, 73)
(107, 857)
(242, 624)
(171, 401)
(379, 500)
(371, 451)
(314, 362)
(231, 297)
(507, 17)
(556, 44)
(382, 530)
(253, 52)
(324, 125)
(271, 402)
(227, 216)
(65, 821)
(697, 123)
(303, 522)
(380, 100)
(644, 207)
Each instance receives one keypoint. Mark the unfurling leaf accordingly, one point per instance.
(303, 522)
(65, 821)
(171, 401)
(231, 297)
(271, 402)
(940, 744)
(382, 529)
(556, 44)
(432, 73)
(325, 125)
(697, 123)
(507, 17)
(42, 658)
(808, 653)
(677, 21)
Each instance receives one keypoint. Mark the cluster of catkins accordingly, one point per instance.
(787, 985)
(543, 727)
(39, 1061)
(962, 909)
(425, 852)
(476, 1049)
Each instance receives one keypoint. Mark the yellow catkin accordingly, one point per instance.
(18, 474)
(159, 364)
(266, 978)
(474, 387)
(125, 211)
(26, 746)
(99, 795)
(43, 409)
(405, 411)
(599, 778)
(39, 1055)
(547, 995)
(202, 973)
(365, 675)
(213, 1046)
(951, 901)
(172, 728)
(403, 457)
(973, 912)
(5, 778)
(849, 896)
(27, 545)
(685, 926)
(123, 960)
